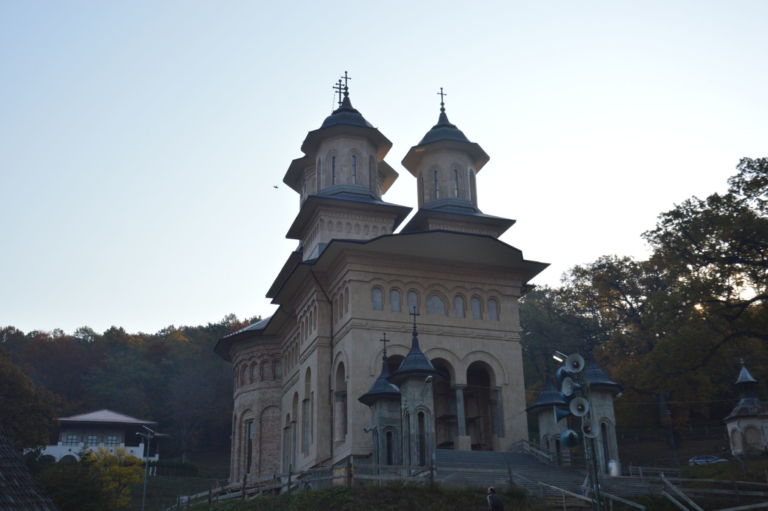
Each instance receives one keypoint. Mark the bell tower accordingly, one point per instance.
(445, 164)
(340, 180)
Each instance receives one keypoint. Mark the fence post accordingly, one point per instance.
(210, 497)
(242, 497)
(348, 473)
(432, 474)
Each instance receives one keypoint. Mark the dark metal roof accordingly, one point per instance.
(18, 489)
(748, 407)
(259, 325)
(455, 209)
(444, 135)
(382, 388)
(415, 363)
(596, 377)
(444, 130)
(346, 115)
(548, 397)
(745, 376)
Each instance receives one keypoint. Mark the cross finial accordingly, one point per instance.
(414, 313)
(385, 341)
(339, 89)
(346, 78)
(741, 360)
(442, 98)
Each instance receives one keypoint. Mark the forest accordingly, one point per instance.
(672, 329)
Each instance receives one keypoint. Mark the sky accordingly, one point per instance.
(140, 142)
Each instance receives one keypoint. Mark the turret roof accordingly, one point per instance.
(382, 388)
(549, 396)
(415, 363)
(596, 377)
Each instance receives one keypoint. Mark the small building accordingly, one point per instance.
(747, 424)
(103, 428)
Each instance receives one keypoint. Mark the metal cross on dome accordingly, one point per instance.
(339, 89)
(414, 313)
(385, 341)
(442, 97)
(346, 78)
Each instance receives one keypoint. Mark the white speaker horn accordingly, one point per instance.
(568, 387)
(579, 407)
(574, 363)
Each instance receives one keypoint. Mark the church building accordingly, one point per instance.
(314, 384)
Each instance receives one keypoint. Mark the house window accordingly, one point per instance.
(477, 308)
(354, 169)
(493, 310)
(92, 440)
(394, 300)
(112, 440)
(435, 305)
(71, 439)
(413, 301)
(458, 306)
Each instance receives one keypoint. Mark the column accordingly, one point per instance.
(463, 442)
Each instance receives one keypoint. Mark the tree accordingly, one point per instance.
(117, 474)
(27, 413)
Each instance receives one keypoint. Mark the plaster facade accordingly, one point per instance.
(352, 281)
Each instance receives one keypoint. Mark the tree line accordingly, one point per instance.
(672, 328)
(172, 377)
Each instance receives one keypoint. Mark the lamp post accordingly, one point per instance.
(147, 436)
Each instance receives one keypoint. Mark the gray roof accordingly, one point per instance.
(596, 377)
(382, 388)
(18, 489)
(548, 397)
(415, 362)
(745, 376)
(346, 115)
(105, 416)
(443, 130)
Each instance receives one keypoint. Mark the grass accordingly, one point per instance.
(397, 497)
(162, 491)
(755, 469)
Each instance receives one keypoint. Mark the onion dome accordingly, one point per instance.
(548, 397)
(597, 378)
(382, 388)
(415, 363)
(346, 115)
(444, 135)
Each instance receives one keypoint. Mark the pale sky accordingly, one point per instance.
(140, 141)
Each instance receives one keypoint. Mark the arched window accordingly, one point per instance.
(394, 300)
(422, 439)
(477, 308)
(354, 169)
(306, 413)
(472, 186)
(413, 300)
(435, 305)
(436, 192)
(346, 299)
(340, 405)
(456, 183)
(458, 306)
(493, 309)
(333, 170)
(377, 299)
(390, 447)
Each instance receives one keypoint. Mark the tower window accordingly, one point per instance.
(333, 170)
(372, 176)
(437, 186)
(377, 299)
(435, 305)
(354, 169)
(456, 183)
(413, 301)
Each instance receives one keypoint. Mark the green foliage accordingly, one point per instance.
(172, 377)
(27, 413)
(672, 328)
(396, 497)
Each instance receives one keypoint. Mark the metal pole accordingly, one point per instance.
(148, 437)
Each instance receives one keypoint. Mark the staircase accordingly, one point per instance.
(487, 468)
